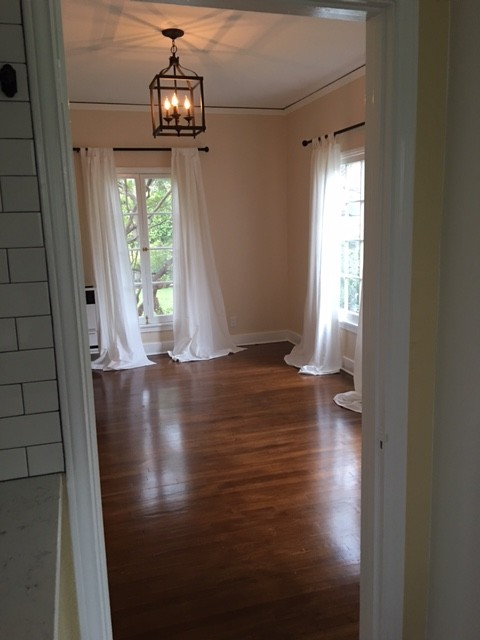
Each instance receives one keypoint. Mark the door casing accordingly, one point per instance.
(390, 153)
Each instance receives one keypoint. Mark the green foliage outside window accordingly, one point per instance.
(149, 231)
(351, 231)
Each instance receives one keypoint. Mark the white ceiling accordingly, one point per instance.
(113, 48)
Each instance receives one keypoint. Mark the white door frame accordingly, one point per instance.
(391, 81)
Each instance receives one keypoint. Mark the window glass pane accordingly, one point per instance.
(161, 263)
(158, 199)
(353, 295)
(139, 300)
(163, 300)
(158, 195)
(160, 230)
(129, 205)
(354, 209)
(351, 233)
(342, 294)
(128, 195)
(148, 226)
(135, 266)
(354, 258)
(343, 257)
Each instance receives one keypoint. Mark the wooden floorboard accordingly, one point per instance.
(231, 500)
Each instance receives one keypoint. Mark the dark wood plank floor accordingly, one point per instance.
(231, 495)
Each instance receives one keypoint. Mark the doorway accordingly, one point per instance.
(386, 339)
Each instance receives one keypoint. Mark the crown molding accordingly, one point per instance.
(328, 88)
(244, 111)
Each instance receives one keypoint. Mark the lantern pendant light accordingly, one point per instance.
(176, 97)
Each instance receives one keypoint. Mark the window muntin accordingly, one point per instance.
(351, 234)
(146, 203)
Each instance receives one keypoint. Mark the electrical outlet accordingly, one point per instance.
(233, 322)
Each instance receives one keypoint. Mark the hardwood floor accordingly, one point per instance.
(231, 499)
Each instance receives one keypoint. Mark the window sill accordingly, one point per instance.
(348, 326)
(156, 328)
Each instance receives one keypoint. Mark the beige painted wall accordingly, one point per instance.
(245, 183)
(257, 185)
(428, 207)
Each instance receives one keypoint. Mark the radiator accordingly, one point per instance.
(92, 320)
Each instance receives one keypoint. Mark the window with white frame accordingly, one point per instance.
(351, 234)
(146, 202)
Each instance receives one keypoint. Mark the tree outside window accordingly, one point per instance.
(146, 203)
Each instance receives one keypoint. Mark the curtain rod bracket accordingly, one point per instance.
(305, 143)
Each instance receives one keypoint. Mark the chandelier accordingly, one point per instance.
(176, 97)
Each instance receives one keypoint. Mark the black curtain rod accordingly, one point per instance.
(206, 149)
(337, 133)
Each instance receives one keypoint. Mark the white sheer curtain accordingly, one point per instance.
(353, 399)
(120, 343)
(319, 350)
(199, 323)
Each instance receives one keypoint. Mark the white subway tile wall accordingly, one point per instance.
(30, 426)
(3, 265)
(39, 397)
(13, 464)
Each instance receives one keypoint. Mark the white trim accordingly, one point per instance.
(352, 155)
(160, 347)
(106, 106)
(392, 54)
(345, 325)
(42, 26)
(348, 365)
(166, 325)
(245, 111)
(128, 172)
(144, 108)
(237, 111)
(328, 9)
(391, 110)
(263, 337)
(329, 88)
(294, 337)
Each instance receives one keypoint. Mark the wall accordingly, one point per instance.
(455, 532)
(257, 184)
(428, 203)
(30, 431)
(245, 177)
(331, 112)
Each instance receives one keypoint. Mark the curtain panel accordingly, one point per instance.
(319, 350)
(353, 399)
(199, 322)
(120, 342)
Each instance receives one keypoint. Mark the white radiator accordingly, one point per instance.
(92, 321)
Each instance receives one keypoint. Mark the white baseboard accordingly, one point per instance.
(347, 365)
(158, 347)
(262, 337)
(244, 339)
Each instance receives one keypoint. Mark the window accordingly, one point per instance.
(351, 235)
(146, 202)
